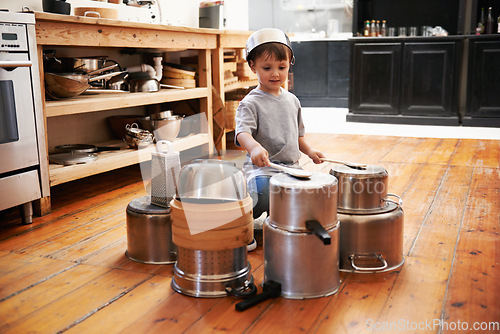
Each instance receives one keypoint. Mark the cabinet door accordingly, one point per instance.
(338, 69)
(484, 79)
(309, 74)
(429, 79)
(375, 78)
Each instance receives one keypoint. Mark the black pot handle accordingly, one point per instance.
(271, 289)
(318, 230)
(250, 290)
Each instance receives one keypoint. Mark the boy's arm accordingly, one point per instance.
(258, 154)
(315, 155)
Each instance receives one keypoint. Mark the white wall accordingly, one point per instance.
(171, 12)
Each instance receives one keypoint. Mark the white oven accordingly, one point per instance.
(21, 124)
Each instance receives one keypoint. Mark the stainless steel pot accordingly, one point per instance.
(305, 266)
(370, 242)
(149, 233)
(361, 189)
(83, 64)
(294, 201)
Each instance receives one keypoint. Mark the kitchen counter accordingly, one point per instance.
(319, 37)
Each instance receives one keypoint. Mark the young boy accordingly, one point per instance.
(268, 120)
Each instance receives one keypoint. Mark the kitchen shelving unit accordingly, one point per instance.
(229, 40)
(74, 31)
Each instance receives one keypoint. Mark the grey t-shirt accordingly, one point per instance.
(275, 122)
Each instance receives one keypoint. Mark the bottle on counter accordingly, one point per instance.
(373, 29)
(383, 28)
(377, 28)
(481, 23)
(498, 25)
(489, 22)
(366, 31)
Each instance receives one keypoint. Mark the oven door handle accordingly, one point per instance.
(13, 64)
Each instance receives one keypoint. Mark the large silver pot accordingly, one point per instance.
(361, 189)
(305, 266)
(372, 242)
(293, 201)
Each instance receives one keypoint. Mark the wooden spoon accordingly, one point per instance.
(298, 173)
(348, 164)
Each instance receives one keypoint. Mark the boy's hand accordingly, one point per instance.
(259, 156)
(316, 156)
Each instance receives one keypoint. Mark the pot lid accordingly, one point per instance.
(72, 158)
(80, 148)
(369, 171)
(316, 181)
(143, 205)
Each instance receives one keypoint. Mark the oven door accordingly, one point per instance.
(18, 140)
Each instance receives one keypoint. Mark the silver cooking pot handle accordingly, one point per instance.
(352, 257)
(399, 202)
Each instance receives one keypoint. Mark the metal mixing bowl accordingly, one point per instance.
(268, 35)
(165, 128)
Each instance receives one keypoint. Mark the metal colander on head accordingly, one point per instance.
(165, 167)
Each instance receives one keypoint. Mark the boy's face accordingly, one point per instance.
(272, 73)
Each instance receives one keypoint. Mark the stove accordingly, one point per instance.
(23, 163)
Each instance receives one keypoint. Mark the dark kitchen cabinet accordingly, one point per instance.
(430, 79)
(405, 80)
(376, 74)
(321, 73)
(483, 98)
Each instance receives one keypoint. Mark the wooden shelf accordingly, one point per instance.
(109, 160)
(241, 84)
(90, 102)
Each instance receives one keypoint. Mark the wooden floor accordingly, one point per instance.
(67, 272)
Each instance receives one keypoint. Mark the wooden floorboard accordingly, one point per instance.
(68, 272)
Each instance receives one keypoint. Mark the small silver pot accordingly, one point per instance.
(361, 189)
(149, 233)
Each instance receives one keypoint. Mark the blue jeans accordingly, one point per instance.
(258, 188)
